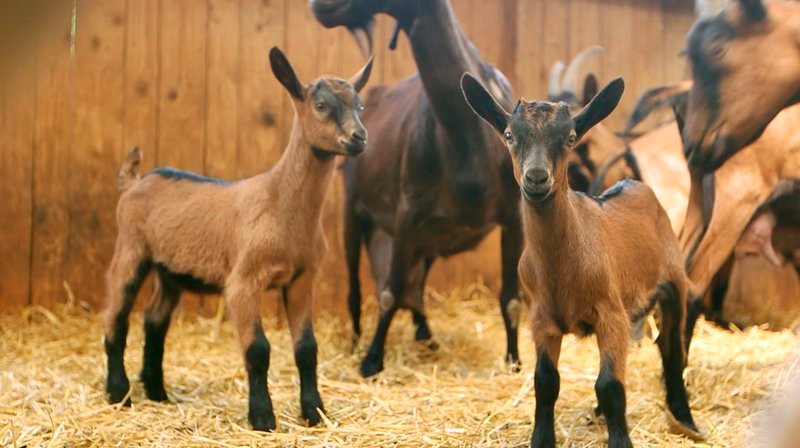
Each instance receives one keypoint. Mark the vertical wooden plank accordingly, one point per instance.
(678, 19)
(52, 138)
(141, 80)
(648, 59)
(262, 122)
(617, 36)
(222, 105)
(17, 116)
(495, 34)
(96, 145)
(182, 84)
(530, 33)
(555, 41)
(585, 32)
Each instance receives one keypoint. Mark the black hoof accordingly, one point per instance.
(157, 394)
(311, 414)
(423, 333)
(370, 367)
(117, 391)
(514, 365)
(262, 422)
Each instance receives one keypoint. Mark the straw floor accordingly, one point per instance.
(52, 379)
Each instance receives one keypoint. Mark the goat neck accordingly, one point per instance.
(305, 174)
(443, 53)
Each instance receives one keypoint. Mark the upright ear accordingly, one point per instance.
(599, 107)
(754, 10)
(285, 74)
(483, 103)
(359, 80)
(589, 88)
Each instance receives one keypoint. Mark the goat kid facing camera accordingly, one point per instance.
(590, 264)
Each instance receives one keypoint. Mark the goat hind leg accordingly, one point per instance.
(673, 355)
(546, 384)
(156, 324)
(125, 276)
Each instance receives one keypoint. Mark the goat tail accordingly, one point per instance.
(628, 156)
(129, 172)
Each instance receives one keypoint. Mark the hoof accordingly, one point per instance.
(688, 429)
(369, 367)
(118, 392)
(312, 415)
(157, 394)
(514, 365)
(429, 344)
(265, 422)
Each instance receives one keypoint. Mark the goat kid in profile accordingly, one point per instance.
(590, 264)
(235, 238)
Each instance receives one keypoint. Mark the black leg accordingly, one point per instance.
(260, 413)
(116, 333)
(373, 361)
(547, 385)
(673, 355)
(352, 245)
(305, 355)
(389, 304)
(156, 325)
(693, 311)
(511, 246)
(611, 396)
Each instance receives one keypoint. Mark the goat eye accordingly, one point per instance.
(571, 140)
(361, 108)
(320, 106)
(509, 136)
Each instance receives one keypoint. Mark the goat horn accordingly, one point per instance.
(554, 84)
(570, 80)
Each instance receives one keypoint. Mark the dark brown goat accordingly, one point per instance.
(590, 264)
(435, 181)
(238, 238)
(746, 69)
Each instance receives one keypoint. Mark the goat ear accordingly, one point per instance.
(483, 103)
(754, 10)
(359, 80)
(599, 107)
(655, 98)
(284, 72)
(589, 88)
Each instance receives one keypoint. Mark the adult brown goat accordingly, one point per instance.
(582, 265)
(746, 68)
(237, 238)
(435, 181)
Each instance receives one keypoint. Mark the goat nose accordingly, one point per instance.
(360, 136)
(536, 176)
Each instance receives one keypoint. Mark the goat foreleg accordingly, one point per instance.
(298, 301)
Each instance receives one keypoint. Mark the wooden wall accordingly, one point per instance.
(188, 81)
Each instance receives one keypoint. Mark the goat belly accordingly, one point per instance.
(186, 281)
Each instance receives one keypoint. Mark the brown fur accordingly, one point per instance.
(244, 237)
(746, 67)
(589, 265)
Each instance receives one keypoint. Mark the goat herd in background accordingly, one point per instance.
(435, 179)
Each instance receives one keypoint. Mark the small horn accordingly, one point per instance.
(570, 81)
(554, 83)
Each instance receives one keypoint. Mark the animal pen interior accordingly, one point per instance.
(189, 82)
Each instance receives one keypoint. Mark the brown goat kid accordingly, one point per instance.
(746, 69)
(238, 238)
(590, 264)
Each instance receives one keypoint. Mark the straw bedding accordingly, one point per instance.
(52, 370)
